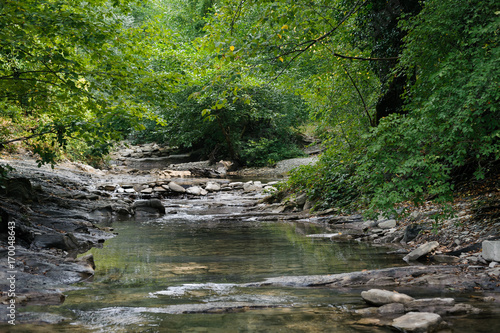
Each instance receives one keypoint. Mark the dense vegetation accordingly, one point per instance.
(403, 94)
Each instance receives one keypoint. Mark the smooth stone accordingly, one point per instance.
(212, 187)
(176, 187)
(421, 251)
(491, 250)
(382, 297)
(391, 308)
(417, 322)
(387, 224)
(194, 190)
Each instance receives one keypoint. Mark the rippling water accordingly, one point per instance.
(183, 273)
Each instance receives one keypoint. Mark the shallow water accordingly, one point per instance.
(183, 273)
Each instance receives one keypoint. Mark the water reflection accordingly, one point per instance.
(157, 275)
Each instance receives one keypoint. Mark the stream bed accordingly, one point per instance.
(186, 272)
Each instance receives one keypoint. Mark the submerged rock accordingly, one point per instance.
(382, 297)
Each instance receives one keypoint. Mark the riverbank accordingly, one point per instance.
(63, 212)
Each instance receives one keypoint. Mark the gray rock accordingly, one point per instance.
(418, 322)
(446, 259)
(249, 187)
(149, 206)
(176, 187)
(148, 190)
(491, 250)
(381, 297)
(67, 242)
(435, 305)
(212, 187)
(194, 190)
(391, 308)
(421, 251)
(412, 231)
(387, 224)
(301, 200)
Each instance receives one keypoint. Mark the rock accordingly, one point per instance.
(66, 242)
(87, 260)
(301, 200)
(368, 322)
(446, 259)
(212, 187)
(418, 322)
(149, 207)
(435, 305)
(461, 309)
(194, 190)
(391, 308)
(412, 231)
(381, 297)
(491, 250)
(249, 187)
(19, 188)
(176, 187)
(387, 224)
(148, 190)
(421, 251)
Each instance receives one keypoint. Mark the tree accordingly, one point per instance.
(69, 70)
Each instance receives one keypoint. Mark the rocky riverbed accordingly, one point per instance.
(61, 213)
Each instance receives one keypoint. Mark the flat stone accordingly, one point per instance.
(421, 251)
(148, 190)
(387, 224)
(391, 308)
(418, 322)
(491, 250)
(176, 187)
(435, 305)
(446, 259)
(381, 297)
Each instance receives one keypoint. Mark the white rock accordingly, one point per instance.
(381, 297)
(176, 187)
(195, 190)
(491, 250)
(212, 187)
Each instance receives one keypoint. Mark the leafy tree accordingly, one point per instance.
(69, 70)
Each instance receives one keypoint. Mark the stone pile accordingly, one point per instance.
(193, 187)
(404, 313)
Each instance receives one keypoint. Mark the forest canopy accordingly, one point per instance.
(404, 95)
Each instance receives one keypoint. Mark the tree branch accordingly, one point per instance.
(310, 43)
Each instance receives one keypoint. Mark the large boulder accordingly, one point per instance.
(381, 297)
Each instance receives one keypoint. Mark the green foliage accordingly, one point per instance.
(451, 126)
(71, 70)
(266, 152)
(330, 182)
(231, 125)
(452, 119)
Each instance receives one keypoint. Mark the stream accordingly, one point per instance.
(186, 272)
